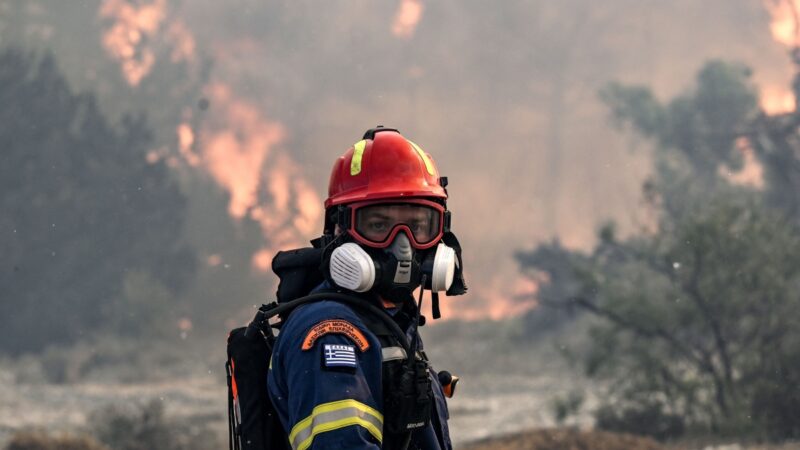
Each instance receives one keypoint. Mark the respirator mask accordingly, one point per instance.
(389, 248)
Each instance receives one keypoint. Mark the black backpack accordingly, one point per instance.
(253, 422)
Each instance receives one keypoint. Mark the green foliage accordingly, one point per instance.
(553, 266)
(567, 406)
(702, 124)
(697, 317)
(82, 208)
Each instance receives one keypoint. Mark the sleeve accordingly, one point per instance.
(441, 414)
(332, 386)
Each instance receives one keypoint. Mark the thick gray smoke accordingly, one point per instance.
(503, 95)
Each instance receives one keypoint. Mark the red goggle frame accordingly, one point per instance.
(376, 223)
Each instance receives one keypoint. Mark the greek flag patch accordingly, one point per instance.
(339, 355)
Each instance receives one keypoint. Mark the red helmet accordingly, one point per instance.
(383, 165)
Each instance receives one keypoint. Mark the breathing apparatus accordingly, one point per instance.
(393, 272)
(387, 225)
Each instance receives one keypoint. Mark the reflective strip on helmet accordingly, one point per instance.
(424, 156)
(332, 416)
(358, 153)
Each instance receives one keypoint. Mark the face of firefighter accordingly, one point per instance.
(396, 270)
(377, 222)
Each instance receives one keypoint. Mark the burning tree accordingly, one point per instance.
(775, 139)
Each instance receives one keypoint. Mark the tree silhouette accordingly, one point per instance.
(80, 208)
(696, 314)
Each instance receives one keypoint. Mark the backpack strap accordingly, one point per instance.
(380, 318)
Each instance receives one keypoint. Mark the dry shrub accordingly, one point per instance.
(40, 440)
(566, 439)
(145, 426)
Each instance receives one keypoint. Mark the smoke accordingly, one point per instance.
(237, 144)
(502, 95)
(752, 172)
(240, 148)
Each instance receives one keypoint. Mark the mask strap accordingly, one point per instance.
(435, 311)
(419, 320)
(330, 245)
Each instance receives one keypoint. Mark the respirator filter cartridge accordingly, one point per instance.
(352, 268)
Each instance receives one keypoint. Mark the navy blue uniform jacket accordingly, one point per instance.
(323, 406)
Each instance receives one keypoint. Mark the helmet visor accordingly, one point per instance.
(378, 222)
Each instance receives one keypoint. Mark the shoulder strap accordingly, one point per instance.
(268, 311)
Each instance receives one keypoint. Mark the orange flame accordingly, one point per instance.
(134, 32)
(785, 28)
(785, 24)
(214, 260)
(234, 151)
(237, 146)
(127, 39)
(406, 18)
(185, 143)
(777, 100)
(239, 149)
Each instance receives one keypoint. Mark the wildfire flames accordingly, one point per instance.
(777, 100)
(785, 28)
(785, 22)
(240, 148)
(132, 36)
(128, 38)
(237, 145)
(406, 18)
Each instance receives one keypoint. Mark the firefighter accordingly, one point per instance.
(337, 377)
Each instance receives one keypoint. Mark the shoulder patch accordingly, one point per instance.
(335, 326)
(339, 356)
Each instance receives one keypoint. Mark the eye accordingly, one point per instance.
(417, 226)
(377, 225)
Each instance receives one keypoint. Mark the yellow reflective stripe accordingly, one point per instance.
(358, 153)
(335, 425)
(424, 156)
(330, 407)
(352, 419)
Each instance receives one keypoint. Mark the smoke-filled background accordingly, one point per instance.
(155, 155)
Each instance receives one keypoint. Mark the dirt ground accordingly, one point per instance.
(568, 439)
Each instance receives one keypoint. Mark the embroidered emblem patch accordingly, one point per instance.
(337, 355)
(335, 326)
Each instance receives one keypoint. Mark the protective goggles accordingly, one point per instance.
(377, 224)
